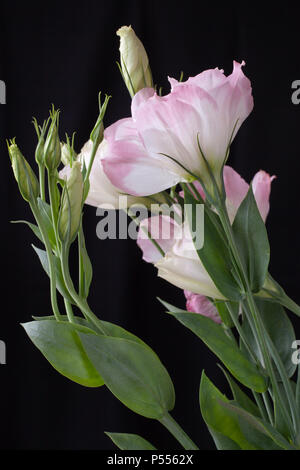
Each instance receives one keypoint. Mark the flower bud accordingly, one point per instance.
(26, 179)
(68, 155)
(52, 151)
(40, 132)
(71, 203)
(134, 61)
(39, 151)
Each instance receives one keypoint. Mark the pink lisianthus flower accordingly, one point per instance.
(236, 190)
(197, 303)
(180, 265)
(159, 145)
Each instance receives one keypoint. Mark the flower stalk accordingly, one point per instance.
(264, 342)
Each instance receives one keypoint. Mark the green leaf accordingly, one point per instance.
(129, 441)
(280, 422)
(224, 313)
(213, 335)
(221, 421)
(240, 396)
(258, 431)
(33, 227)
(45, 212)
(60, 344)
(215, 255)
(133, 373)
(60, 283)
(252, 241)
(280, 330)
(111, 329)
(223, 442)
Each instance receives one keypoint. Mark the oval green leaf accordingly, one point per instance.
(252, 241)
(213, 335)
(60, 344)
(133, 373)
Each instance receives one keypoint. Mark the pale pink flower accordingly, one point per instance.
(209, 107)
(181, 264)
(236, 189)
(200, 304)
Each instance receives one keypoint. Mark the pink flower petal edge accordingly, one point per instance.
(197, 303)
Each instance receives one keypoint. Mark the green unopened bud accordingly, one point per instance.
(26, 179)
(68, 155)
(52, 151)
(71, 204)
(134, 61)
(39, 151)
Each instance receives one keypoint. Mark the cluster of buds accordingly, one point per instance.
(49, 154)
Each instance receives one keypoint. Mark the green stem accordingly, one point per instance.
(264, 343)
(81, 303)
(259, 326)
(260, 405)
(42, 181)
(284, 300)
(268, 407)
(54, 204)
(52, 274)
(179, 434)
(69, 311)
(81, 267)
(286, 382)
(240, 331)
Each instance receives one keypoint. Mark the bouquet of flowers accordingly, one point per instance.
(200, 224)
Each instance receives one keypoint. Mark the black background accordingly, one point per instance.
(64, 53)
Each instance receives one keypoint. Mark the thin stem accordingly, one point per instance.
(53, 201)
(260, 404)
(52, 274)
(269, 408)
(262, 336)
(173, 427)
(42, 181)
(284, 300)
(240, 331)
(81, 267)
(69, 311)
(259, 326)
(286, 383)
(81, 303)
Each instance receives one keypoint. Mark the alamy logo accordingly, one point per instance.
(2, 352)
(296, 354)
(2, 92)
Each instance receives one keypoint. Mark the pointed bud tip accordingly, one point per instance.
(124, 30)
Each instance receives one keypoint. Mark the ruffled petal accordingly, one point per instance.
(128, 165)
